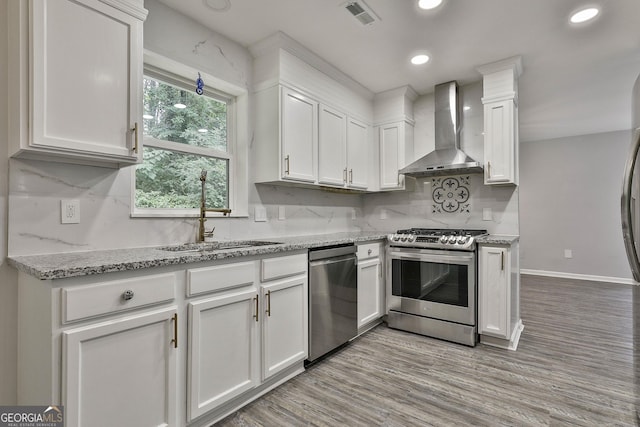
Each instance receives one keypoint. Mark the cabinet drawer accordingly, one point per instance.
(219, 277)
(368, 250)
(111, 297)
(275, 268)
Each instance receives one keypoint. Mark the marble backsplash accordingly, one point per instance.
(416, 207)
(36, 189)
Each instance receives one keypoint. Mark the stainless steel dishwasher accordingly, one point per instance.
(333, 298)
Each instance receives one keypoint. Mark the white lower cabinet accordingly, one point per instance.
(223, 350)
(245, 332)
(499, 322)
(174, 348)
(284, 324)
(121, 372)
(370, 283)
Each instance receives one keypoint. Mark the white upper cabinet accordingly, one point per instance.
(500, 99)
(78, 68)
(343, 150)
(299, 130)
(312, 122)
(358, 154)
(332, 140)
(391, 153)
(500, 146)
(393, 115)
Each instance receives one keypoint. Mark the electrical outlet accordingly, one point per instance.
(70, 211)
(354, 214)
(260, 214)
(383, 214)
(282, 213)
(487, 214)
(568, 253)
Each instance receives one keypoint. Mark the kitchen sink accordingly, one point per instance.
(216, 246)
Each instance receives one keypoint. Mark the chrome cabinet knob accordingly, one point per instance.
(369, 252)
(127, 295)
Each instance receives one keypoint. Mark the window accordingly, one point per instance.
(184, 134)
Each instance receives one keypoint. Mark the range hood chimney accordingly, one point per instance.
(447, 158)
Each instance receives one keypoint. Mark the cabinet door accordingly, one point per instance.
(499, 145)
(284, 326)
(493, 292)
(122, 372)
(223, 350)
(357, 154)
(299, 136)
(87, 76)
(369, 291)
(332, 135)
(391, 154)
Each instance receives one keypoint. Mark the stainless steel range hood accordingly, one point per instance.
(447, 158)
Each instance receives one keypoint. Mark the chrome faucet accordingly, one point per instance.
(204, 209)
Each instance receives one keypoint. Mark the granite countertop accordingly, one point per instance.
(72, 264)
(497, 239)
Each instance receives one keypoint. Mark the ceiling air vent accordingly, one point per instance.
(361, 12)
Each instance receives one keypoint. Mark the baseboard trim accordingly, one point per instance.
(562, 275)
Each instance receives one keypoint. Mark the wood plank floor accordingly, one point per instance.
(573, 367)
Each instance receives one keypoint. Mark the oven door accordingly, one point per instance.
(440, 284)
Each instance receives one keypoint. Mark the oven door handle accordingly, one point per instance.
(434, 257)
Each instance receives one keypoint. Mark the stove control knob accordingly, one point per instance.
(444, 239)
(452, 240)
(403, 237)
(412, 238)
(396, 238)
(463, 239)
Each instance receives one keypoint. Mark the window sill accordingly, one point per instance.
(186, 215)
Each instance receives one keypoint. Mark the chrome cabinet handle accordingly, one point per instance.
(502, 261)
(127, 295)
(489, 170)
(135, 133)
(350, 176)
(286, 162)
(344, 175)
(369, 252)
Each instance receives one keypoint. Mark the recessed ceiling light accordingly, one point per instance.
(429, 4)
(147, 116)
(584, 15)
(420, 59)
(218, 5)
(203, 130)
(180, 105)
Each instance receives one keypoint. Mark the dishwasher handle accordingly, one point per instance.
(331, 252)
(333, 260)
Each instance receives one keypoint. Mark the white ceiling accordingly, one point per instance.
(577, 79)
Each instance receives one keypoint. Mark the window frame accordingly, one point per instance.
(165, 73)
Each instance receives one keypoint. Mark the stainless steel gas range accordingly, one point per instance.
(431, 283)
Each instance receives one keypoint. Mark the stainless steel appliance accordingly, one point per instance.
(333, 298)
(447, 158)
(431, 283)
(631, 190)
(631, 227)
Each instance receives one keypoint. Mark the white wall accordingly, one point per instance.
(570, 199)
(8, 285)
